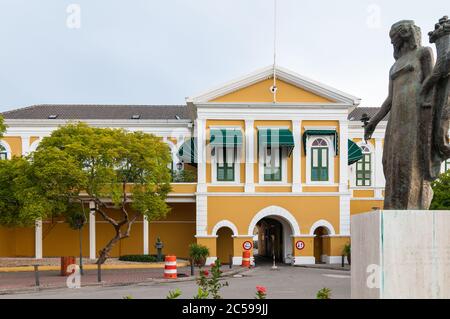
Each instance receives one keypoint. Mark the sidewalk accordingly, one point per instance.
(16, 282)
(53, 264)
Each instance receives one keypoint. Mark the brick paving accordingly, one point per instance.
(53, 279)
(16, 262)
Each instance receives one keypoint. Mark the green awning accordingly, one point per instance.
(354, 152)
(333, 133)
(276, 137)
(226, 137)
(188, 151)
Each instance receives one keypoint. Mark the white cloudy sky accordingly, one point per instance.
(159, 52)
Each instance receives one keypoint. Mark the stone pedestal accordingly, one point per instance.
(400, 254)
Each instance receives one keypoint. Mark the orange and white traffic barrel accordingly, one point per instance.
(170, 267)
(246, 258)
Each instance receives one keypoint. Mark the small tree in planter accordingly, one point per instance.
(198, 254)
(347, 252)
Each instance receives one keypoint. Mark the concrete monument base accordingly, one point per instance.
(400, 254)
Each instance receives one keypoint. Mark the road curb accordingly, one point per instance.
(93, 267)
(146, 282)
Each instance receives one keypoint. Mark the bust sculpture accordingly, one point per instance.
(416, 140)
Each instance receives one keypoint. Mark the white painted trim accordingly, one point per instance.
(92, 235)
(303, 260)
(201, 215)
(343, 155)
(249, 156)
(225, 223)
(237, 261)
(35, 144)
(322, 223)
(284, 168)
(200, 129)
(274, 194)
(275, 211)
(25, 144)
(237, 170)
(352, 168)
(38, 239)
(331, 156)
(297, 158)
(335, 260)
(145, 236)
(321, 128)
(344, 215)
(210, 260)
(282, 74)
(7, 148)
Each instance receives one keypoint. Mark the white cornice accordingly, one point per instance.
(282, 74)
(99, 122)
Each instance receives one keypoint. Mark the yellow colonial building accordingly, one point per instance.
(281, 176)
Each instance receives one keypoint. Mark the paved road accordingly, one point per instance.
(287, 282)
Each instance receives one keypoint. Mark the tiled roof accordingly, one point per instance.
(357, 113)
(103, 112)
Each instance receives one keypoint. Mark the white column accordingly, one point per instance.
(38, 239)
(25, 145)
(201, 156)
(343, 156)
(379, 174)
(344, 200)
(296, 158)
(201, 221)
(344, 215)
(145, 233)
(92, 237)
(249, 156)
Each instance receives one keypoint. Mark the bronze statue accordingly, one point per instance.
(416, 140)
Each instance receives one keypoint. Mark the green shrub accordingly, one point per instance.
(198, 254)
(139, 258)
(324, 293)
(347, 250)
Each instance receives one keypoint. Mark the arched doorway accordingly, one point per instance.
(224, 244)
(319, 244)
(270, 241)
(273, 228)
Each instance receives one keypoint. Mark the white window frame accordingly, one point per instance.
(372, 173)
(283, 162)
(237, 163)
(7, 148)
(331, 156)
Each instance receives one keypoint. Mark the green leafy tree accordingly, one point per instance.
(441, 189)
(124, 173)
(2, 127)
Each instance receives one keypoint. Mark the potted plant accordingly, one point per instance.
(347, 252)
(198, 254)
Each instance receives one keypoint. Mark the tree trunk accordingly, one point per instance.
(104, 253)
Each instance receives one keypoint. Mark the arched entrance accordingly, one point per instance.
(319, 244)
(273, 229)
(224, 244)
(270, 239)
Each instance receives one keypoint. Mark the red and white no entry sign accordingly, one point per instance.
(300, 245)
(247, 245)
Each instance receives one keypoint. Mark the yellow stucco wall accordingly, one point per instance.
(363, 206)
(260, 92)
(363, 193)
(15, 143)
(176, 231)
(58, 239)
(306, 210)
